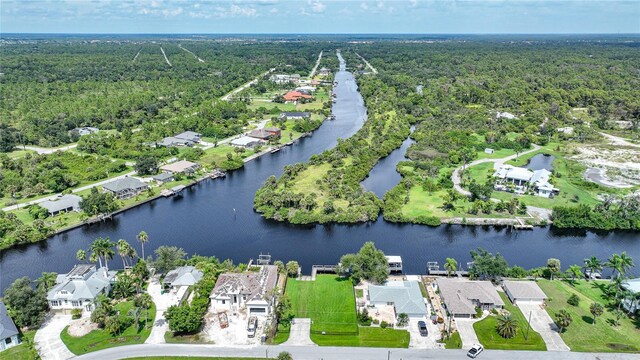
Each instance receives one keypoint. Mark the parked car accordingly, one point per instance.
(475, 351)
(422, 326)
(252, 326)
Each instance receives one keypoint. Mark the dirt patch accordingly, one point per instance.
(81, 327)
(618, 167)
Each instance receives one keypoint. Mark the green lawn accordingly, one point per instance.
(582, 334)
(454, 342)
(102, 339)
(170, 338)
(490, 339)
(22, 351)
(368, 337)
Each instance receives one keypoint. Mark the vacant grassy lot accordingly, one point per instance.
(368, 337)
(582, 334)
(102, 339)
(490, 339)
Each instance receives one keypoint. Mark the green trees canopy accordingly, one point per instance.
(367, 264)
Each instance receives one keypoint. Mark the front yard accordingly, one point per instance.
(22, 351)
(582, 334)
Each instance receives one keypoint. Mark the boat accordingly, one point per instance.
(289, 143)
(275, 150)
(217, 173)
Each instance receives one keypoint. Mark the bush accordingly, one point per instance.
(478, 312)
(573, 300)
(76, 313)
(384, 324)
(376, 321)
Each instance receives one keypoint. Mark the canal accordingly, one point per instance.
(216, 218)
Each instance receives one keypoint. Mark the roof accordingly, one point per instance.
(180, 166)
(260, 134)
(541, 176)
(296, 114)
(524, 289)
(394, 259)
(256, 285)
(171, 141)
(271, 129)
(65, 202)
(7, 327)
(459, 293)
(183, 276)
(124, 184)
(81, 283)
(632, 285)
(295, 95)
(188, 135)
(244, 141)
(405, 295)
(162, 176)
(519, 173)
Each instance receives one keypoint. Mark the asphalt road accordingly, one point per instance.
(336, 353)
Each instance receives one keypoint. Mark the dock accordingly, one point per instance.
(395, 263)
(217, 173)
(433, 269)
(521, 225)
(315, 269)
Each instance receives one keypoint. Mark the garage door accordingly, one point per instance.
(257, 310)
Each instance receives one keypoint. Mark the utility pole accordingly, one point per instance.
(526, 336)
(388, 354)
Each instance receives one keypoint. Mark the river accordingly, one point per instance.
(216, 218)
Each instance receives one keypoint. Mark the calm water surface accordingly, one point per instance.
(203, 221)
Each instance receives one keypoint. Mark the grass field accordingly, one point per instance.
(454, 342)
(582, 334)
(22, 351)
(102, 339)
(490, 339)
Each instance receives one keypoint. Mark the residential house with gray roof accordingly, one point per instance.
(182, 276)
(405, 296)
(249, 290)
(9, 334)
(65, 203)
(79, 288)
(524, 292)
(125, 188)
(294, 115)
(190, 136)
(461, 296)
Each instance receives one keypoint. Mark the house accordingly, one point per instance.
(505, 115)
(125, 188)
(524, 179)
(461, 296)
(182, 276)
(395, 263)
(85, 130)
(190, 136)
(78, 288)
(295, 115)
(266, 133)
(524, 292)
(248, 290)
(295, 77)
(181, 167)
(281, 78)
(306, 89)
(8, 330)
(632, 303)
(324, 72)
(293, 96)
(247, 142)
(404, 296)
(163, 178)
(488, 151)
(172, 141)
(65, 203)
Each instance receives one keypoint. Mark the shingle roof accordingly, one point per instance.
(524, 289)
(124, 184)
(162, 176)
(180, 166)
(405, 295)
(458, 294)
(188, 135)
(183, 276)
(7, 327)
(65, 202)
(255, 285)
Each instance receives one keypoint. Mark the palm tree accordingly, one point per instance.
(123, 250)
(144, 301)
(574, 271)
(103, 249)
(81, 255)
(563, 320)
(626, 263)
(593, 265)
(47, 280)
(596, 310)
(451, 265)
(507, 326)
(615, 263)
(143, 238)
(615, 287)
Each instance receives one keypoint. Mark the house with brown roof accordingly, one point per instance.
(265, 134)
(250, 290)
(294, 96)
(461, 297)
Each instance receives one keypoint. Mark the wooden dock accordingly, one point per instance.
(315, 269)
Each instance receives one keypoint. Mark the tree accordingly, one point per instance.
(143, 237)
(617, 315)
(144, 301)
(553, 267)
(81, 255)
(113, 324)
(451, 265)
(596, 309)
(103, 249)
(563, 320)
(284, 356)
(280, 265)
(573, 300)
(98, 203)
(507, 326)
(292, 268)
(574, 271)
(124, 287)
(593, 265)
(38, 212)
(168, 258)
(620, 263)
(368, 264)
(486, 265)
(46, 281)
(403, 320)
(123, 250)
(183, 319)
(26, 306)
(146, 165)
(282, 309)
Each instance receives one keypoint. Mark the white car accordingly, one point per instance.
(475, 351)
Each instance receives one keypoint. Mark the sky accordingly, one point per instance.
(320, 16)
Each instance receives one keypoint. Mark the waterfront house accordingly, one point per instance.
(324, 71)
(265, 134)
(79, 288)
(163, 178)
(461, 296)
(8, 331)
(247, 142)
(524, 292)
(294, 96)
(395, 263)
(181, 167)
(125, 188)
(306, 89)
(172, 141)
(190, 136)
(294, 115)
(182, 276)
(250, 290)
(631, 303)
(281, 78)
(85, 130)
(523, 179)
(404, 296)
(66, 203)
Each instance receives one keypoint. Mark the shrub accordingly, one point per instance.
(573, 300)
(384, 324)
(376, 321)
(76, 313)
(478, 312)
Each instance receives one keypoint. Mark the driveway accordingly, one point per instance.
(299, 334)
(467, 333)
(47, 339)
(544, 325)
(418, 341)
(162, 301)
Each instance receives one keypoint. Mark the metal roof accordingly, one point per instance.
(7, 327)
(124, 184)
(63, 203)
(405, 296)
(183, 276)
(71, 287)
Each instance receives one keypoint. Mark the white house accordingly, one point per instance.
(405, 296)
(247, 142)
(8, 330)
(249, 290)
(79, 288)
(66, 203)
(395, 263)
(524, 292)
(632, 303)
(524, 179)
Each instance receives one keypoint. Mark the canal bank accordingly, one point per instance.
(216, 218)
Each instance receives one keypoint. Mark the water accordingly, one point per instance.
(203, 221)
(541, 161)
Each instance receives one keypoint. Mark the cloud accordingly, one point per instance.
(364, 6)
(236, 10)
(317, 6)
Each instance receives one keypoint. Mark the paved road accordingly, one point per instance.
(226, 97)
(313, 71)
(541, 322)
(47, 339)
(368, 65)
(299, 334)
(335, 353)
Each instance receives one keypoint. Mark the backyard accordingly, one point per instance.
(582, 334)
(490, 339)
